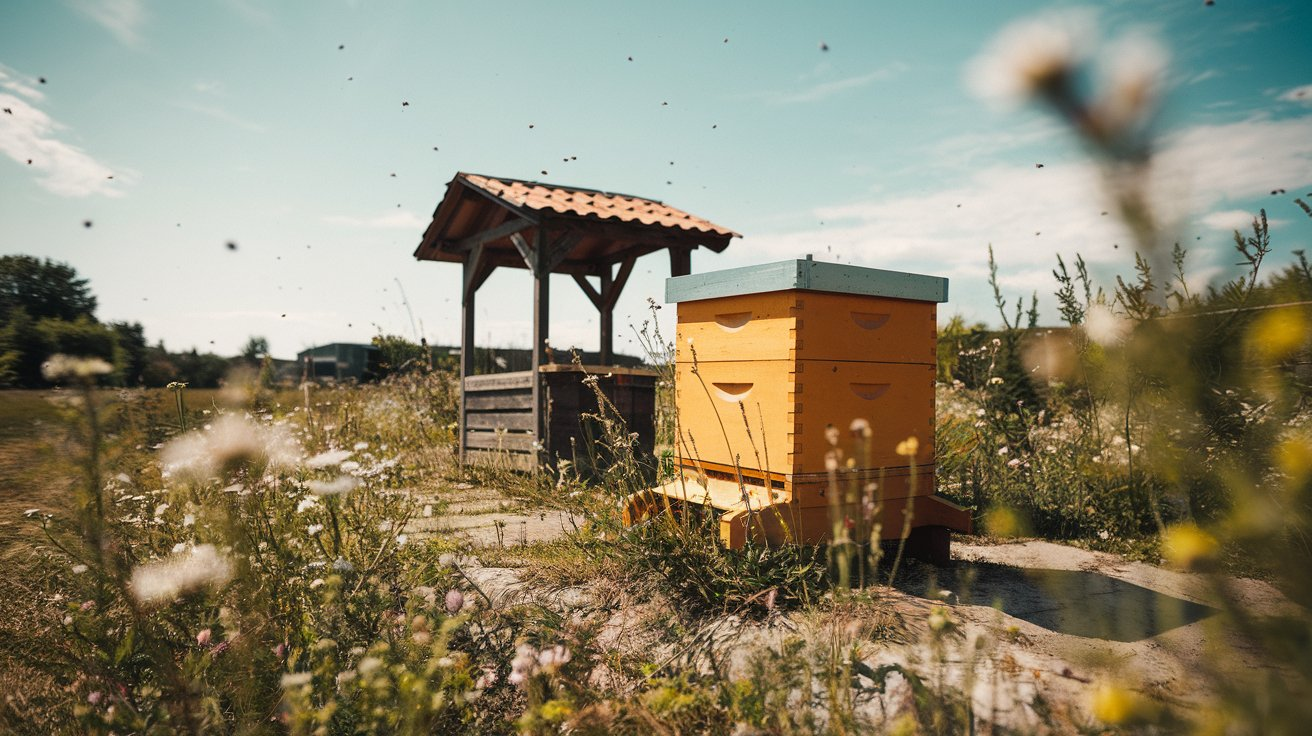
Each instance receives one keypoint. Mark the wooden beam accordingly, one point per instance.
(560, 249)
(511, 259)
(496, 233)
(466, 345)
(606, 317)
(666, 237)
(523, 212)
(591, 293)
(526, 250)
(621, 279)
(541, 320)
(472, 266)
(680, 261)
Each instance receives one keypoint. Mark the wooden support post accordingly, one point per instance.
(541, 317)
(607, 317)
(680, 261)
(469, 286)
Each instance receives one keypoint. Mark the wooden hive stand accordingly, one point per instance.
(804, 380)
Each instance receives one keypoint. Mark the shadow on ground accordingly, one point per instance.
(1077, 603)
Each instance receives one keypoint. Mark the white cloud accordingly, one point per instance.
(1208, 165)
(123, 18)
(12, 81)
(1229, 220)
(28, 134)
(399, 220)
(824, 90)
(1030, 214)
(1301, 94)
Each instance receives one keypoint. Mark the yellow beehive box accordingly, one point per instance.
(778, 363)
(774, 415)
(807, 325)
(805, 397)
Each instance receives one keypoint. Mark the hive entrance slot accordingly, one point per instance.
(869, 391)
(733, 321)
(869, 320)
(733, 391)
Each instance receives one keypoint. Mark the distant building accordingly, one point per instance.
(338, 361)
(345, 361)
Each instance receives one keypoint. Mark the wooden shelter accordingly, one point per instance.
(486, 222)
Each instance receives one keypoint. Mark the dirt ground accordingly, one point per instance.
(1032, 618)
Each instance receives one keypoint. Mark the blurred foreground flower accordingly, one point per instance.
(1031, 57)
(1278, 334)
(336, 487)
(61, 366)
(1188, 547)
(908, 447)
(229, 442)
(164, 581)
(1104, 326)
(327, 459)
(1117, 705)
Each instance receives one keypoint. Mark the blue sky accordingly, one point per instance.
(244, 122)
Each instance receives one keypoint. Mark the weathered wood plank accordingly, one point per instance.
(493, 401)
(525, 251)
(499, 381)
(495, 233)
(522, 442)
(518, 420)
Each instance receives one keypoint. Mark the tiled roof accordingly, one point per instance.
(591, 203)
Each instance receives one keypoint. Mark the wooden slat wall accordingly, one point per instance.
(499, 419)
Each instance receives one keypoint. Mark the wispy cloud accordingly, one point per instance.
(30, 137)
(222, 115)
(1029, 214)
(398, 220)
(1203, 76)
(1231, 220)
(824, 90)
(122, 18)
(1301, 94)
(14, 82)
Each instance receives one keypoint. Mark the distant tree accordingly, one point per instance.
(397, 355)
(83, 337)
(159, 369)
(199, 370)
(131, 338)
(44, 288)
(22, 350)
(256, 348)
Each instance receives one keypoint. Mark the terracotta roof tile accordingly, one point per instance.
(591, 203)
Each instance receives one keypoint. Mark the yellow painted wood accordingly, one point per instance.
(791, 524)
(816, 489)
(801, 325)
(896, 400)
(789, 405)
(779, 521)
(711, 421)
